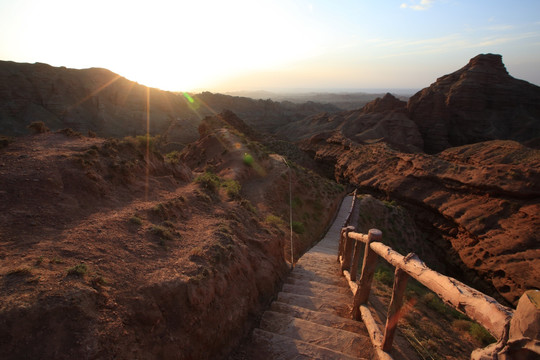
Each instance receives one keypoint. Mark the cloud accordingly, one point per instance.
(423, 5)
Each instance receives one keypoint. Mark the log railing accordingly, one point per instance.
(478, 306)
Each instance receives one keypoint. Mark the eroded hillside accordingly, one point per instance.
(111, 250)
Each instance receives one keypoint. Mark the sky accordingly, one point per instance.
(274, 45)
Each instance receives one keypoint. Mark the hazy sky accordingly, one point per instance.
(273, 45)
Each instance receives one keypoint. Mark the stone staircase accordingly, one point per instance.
(310, 319)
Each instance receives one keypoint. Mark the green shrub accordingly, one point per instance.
(78, 270)
(162, 232)
(209, 181)
(173, 157)
(298, 227)
(135, 220)
(275, 220)
(232, 187)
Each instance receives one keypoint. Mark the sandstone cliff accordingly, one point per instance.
(478, 102)
(477, 204)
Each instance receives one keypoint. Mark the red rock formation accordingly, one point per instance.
(479, 102)
(382, 120)
(481, 200)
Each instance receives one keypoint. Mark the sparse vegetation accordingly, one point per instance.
(173, 157)
(232, 188)
(78, 270)
(135, 220)
(209, 181)
(298, 227)
(38, 127)
(56, 260)
(275, 220)
(162, 232)
(481, 334)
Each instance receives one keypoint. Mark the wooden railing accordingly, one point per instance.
(478, 306)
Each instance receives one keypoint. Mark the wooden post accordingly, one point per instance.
(347, 249)
(342, 241)
(394, 313)
(368, 269)
(356, 258)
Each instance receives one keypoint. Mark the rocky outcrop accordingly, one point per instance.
(382, 120)
(479, 102)
(387, 103)
(478, 204)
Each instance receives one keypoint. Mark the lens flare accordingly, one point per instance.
(188, 98)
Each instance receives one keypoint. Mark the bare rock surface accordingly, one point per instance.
(478, 102)
(478, 204)
(382, 120)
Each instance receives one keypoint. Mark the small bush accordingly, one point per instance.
(298, 227)
(135, 220)
(274, 220)
(91, 134)
(232, 187)
(162, 232)
(78, 270)
(173, 157)
(38, 127)
(56, 260)
(209, 181)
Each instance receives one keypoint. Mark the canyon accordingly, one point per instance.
(139, 223)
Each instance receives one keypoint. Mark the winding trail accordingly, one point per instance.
(310, 319)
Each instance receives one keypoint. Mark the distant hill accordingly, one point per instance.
(90, 99)
(477, 103)
(343, 100)
(112, 106)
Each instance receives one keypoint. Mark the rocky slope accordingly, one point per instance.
(478, 102)
(382, 120)
(477, 204)
(101, 101)
(92, 99)
(111, 250)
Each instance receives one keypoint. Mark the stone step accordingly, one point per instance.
(271, 346)
(339, 308)
(308, 275)
(318, 292)
(318, 287)
(322, 318)
(343, 341)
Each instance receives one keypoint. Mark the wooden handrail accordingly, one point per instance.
(478, 306)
